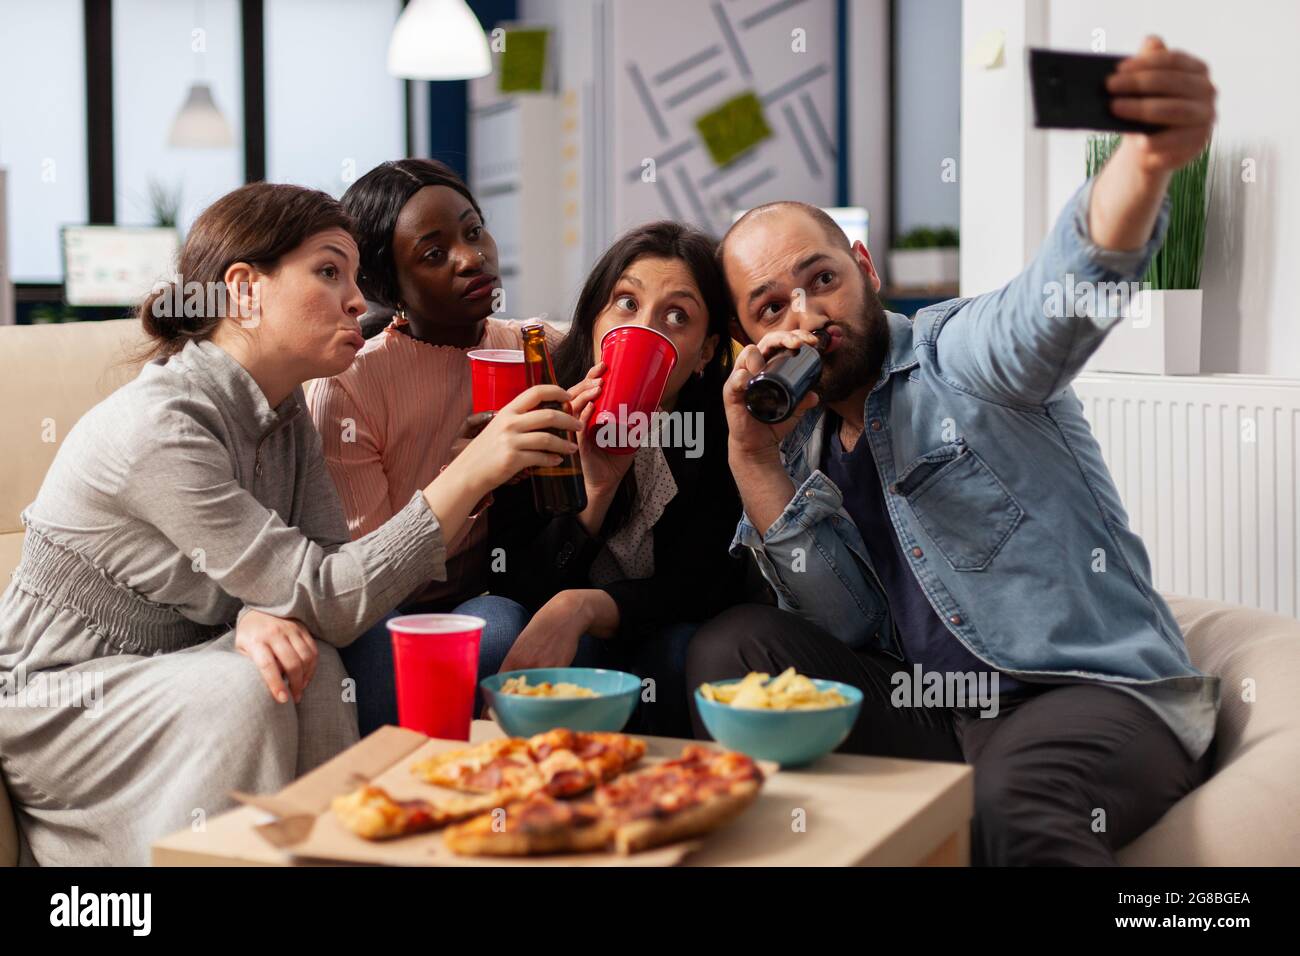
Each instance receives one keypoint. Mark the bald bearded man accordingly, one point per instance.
(939, 526)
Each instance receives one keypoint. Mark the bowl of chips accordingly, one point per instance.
(533, 701)
(789, 719)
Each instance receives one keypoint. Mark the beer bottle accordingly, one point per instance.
(557, 489)
(774, 393)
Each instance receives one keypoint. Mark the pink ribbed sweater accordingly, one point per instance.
(387, 425)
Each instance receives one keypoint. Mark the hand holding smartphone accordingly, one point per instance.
(1069, 91)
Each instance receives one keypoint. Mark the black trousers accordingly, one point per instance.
(1065, 776)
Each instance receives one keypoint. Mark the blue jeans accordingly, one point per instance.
(660, 658)
(369, 659)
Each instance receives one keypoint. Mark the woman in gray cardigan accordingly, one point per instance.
(187, 571)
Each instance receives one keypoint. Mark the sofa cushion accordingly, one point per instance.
(1247, 813)
(51, 375)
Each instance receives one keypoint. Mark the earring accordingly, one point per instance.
(400, 315)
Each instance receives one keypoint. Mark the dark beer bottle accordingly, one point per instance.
(774, 393)
(557, 489)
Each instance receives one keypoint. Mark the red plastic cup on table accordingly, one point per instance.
(638, 361)
(497, 377)
(435, 664)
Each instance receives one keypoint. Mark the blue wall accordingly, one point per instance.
(449, 99)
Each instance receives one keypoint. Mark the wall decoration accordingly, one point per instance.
(711, 64)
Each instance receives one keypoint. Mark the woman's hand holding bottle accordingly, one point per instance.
(516, 438)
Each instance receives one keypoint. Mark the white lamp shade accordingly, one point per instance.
(199, 124)
(438, 40)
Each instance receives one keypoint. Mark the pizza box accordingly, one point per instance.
(842, 810)
(304, 825)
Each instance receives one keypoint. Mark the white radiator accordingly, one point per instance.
(1207, 468)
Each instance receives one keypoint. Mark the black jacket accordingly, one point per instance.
(695, 576)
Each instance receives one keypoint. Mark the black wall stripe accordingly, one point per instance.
(252, 28)
(98, 18)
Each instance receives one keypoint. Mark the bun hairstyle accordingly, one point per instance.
(259, 224)
(375, 201)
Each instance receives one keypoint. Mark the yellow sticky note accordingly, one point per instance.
(987, 52)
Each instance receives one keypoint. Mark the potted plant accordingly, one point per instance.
(164, 203)
(1160, 329)
(924, 257)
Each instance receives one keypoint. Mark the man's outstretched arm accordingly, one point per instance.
(1156, 86)
(1016, 344)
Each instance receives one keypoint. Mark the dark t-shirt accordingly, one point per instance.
(925, 638)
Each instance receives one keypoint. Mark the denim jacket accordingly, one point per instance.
(997, 490)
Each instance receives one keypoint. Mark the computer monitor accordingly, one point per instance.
(854, 220)
(116, 265)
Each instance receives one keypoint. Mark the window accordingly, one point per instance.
(927, 113)
(160, 49)
(332, 111)
(42, 131)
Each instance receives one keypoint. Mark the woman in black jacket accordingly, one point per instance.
(625, 583)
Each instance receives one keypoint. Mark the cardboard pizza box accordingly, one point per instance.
(307, 828)
(843, 810)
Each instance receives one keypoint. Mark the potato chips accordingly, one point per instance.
(787, 691)
(520, 686)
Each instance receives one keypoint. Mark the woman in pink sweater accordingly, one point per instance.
(393, 420)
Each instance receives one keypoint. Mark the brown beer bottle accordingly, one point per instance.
(557, 489)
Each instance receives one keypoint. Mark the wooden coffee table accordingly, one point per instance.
(843, 810)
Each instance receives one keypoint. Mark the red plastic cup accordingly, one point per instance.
(638, 361)
(435, 663)
(497, 377)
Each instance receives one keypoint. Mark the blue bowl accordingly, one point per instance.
(521, 716)
(791, 738)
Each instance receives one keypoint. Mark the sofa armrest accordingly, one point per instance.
(1247, 813)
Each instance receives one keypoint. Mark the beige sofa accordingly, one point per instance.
(49, 376)
(1248, 813)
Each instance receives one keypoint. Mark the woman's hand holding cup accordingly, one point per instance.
(601, 471)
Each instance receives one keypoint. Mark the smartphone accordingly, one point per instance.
(1070, 92)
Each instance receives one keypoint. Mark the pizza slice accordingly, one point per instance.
(538, 825)
(370, 812)
(694, 794)
(698, 792)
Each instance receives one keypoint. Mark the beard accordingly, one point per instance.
(862, 351)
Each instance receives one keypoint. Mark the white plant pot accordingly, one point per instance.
(919, 268)
(1159, 334)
